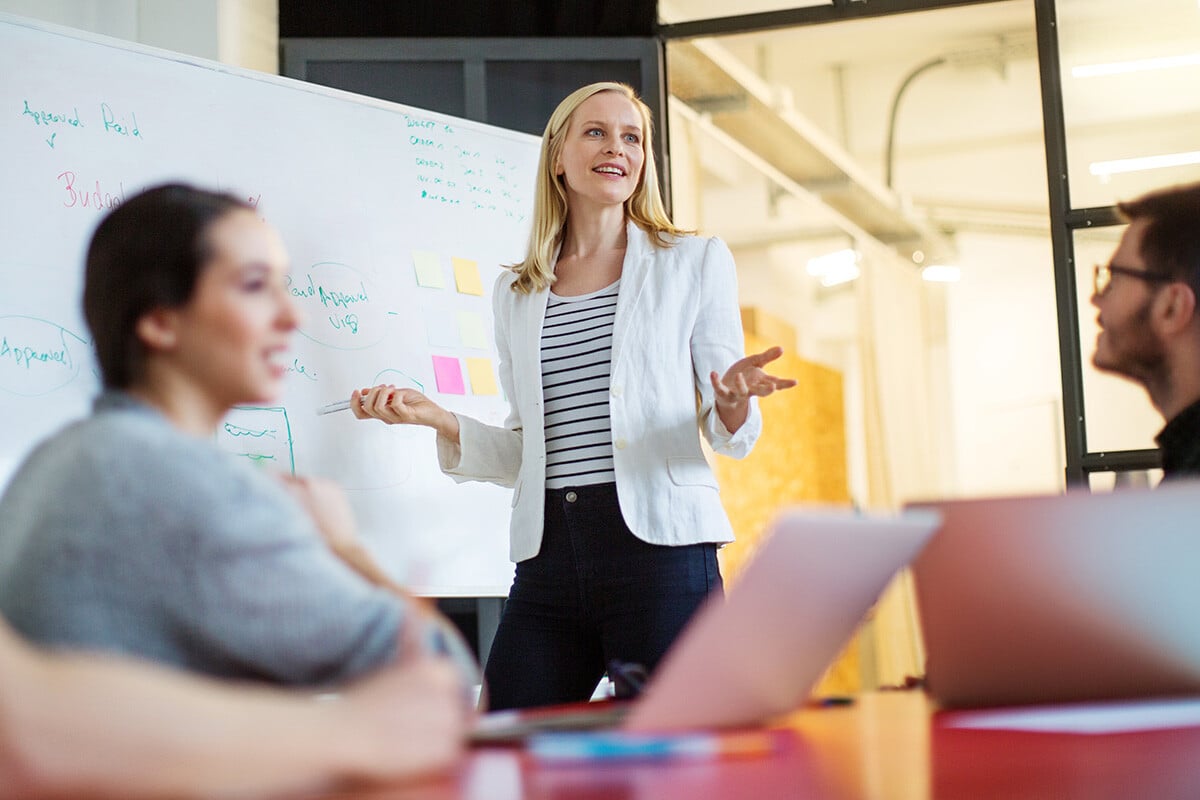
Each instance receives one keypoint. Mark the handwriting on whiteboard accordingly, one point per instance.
(38, 356)
(452, 170)
(109, 121)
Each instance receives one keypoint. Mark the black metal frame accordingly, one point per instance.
(1061, 242)
(1064, 221)
(475, 54)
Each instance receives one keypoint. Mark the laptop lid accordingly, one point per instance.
(1059, 598)
(759, 652)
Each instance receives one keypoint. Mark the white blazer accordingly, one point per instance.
(677, 319)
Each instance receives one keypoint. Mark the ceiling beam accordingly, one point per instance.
(839, 11)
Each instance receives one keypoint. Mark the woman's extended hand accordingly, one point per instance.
(403, 407)
(743, 380)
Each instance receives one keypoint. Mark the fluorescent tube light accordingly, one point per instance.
(1106, 168)
(941, 273)
(833, 268)
(842, 275)
(1138, 65)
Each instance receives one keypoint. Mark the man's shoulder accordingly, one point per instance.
(1179, 441)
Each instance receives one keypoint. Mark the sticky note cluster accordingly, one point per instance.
(462, 329)
(428, 266)
(448, 372)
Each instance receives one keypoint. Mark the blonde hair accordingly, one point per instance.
(644, 207)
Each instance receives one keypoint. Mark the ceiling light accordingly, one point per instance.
(1105, 168)
(941, 273)
(1138, 65)
(833, 268)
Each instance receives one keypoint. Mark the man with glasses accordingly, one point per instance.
(1149, 319)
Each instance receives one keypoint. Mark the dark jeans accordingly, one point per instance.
(594, 592)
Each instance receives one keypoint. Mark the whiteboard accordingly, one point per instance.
(396, 221)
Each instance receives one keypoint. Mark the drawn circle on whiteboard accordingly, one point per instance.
(341, 308)
(398, 377)
(37, 356)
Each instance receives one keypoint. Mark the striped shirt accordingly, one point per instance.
(576, 370)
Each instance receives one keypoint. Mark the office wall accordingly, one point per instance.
(1002, 358)
(243, 33)
(116, 18)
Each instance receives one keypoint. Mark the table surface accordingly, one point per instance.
(884, 745)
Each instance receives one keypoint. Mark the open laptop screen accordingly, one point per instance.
(1058, 598)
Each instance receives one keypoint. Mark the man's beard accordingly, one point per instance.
(1138, 354)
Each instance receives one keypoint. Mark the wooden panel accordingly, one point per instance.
(800, 458)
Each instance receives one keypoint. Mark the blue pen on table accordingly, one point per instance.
(619, 745)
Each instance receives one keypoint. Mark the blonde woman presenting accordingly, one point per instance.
(619, 337)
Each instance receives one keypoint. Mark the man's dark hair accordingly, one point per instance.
(146, 254)
(1171, 241)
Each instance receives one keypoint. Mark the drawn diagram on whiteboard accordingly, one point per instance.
(400, 379)
(38, 356)
(261, 434)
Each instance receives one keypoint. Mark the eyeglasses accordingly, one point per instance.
(1103, 274)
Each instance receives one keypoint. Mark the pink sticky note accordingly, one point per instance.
(448, 373)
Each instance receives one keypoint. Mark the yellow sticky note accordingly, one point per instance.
(429, 271)
(483, 379)
(466, 276)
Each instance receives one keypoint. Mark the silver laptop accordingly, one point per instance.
(1060, 598)
(759, 651)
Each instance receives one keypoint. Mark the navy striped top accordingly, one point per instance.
(576, 371)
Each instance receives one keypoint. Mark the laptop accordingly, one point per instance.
(757, 652)
(1062, 598)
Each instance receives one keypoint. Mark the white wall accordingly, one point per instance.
(116, 18)
(242, 33)
(1003, 367)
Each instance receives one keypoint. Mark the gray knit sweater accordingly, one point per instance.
(122, 533)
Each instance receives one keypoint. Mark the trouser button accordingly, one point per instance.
(572, 497)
